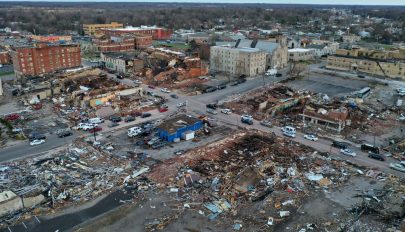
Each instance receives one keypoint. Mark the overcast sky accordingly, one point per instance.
(335, 2)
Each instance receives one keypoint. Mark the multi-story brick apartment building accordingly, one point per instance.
(42, 59)
(157, 33)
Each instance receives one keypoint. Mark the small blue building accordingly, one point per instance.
(173, 128)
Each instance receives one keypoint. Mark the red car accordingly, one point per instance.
(151, 87)
(161, 110)
(12, 117)
(95, 129)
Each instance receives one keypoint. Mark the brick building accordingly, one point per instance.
(115, 44)
(91, 29)
(42, 59)
(157, 33)
(5, 57)
(142, 41)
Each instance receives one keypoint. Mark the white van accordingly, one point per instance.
(96, 120)
(288, 129)
(134, 131)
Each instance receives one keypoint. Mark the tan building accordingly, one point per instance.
(381, 63)
(274, 46)
(90, 29)
(300, 54)
(237, 61)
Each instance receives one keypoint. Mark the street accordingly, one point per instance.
(197, 105)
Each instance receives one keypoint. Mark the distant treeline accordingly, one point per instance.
(57, 17)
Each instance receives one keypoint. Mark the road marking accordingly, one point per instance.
(24, 225)
(9, 229)
(36, 218)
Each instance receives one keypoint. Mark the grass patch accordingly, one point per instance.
(6, 73)
(181, 46)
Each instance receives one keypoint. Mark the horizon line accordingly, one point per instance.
(194, 2)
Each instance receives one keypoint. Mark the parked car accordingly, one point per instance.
(179, 152)
(115, 119)
(247, 119)
(145, 115)
(37, 136)
(161, 110)
(226, 111)
(16, 130)
(311, 137)
(211, 111)
(174, 96)
(338, 144)
(12, 117)
(120, 76)
(37, 142)
(279, 75)
(212, 106)
(64, 134)
(265, 123)
(369, 147)
(361, 76)
(376, 156)
(181, 104)
(159, 144)
(398, 167)
(346, 151)
(95, 129)
(165, 90)
(151, 87)
(221, 86)
(129, 118)
(289, 134)
(137, 82)
(96, 120)
(134, 131)
(86, 126)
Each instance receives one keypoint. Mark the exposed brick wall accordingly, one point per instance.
(45, 59)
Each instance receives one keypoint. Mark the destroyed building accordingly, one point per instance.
(333, 119)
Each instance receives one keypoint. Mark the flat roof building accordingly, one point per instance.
(237, 61)
(43, 58)
(91, 29)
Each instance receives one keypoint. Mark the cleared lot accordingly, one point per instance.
(333, 86)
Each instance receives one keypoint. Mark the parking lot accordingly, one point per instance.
(333, 86)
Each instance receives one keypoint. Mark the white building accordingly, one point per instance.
(323, 48)
(237, 61)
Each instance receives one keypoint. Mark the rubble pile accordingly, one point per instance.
(227, 178)
(69, 177)
(267, 101)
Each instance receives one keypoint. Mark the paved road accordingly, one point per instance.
(22, 150)
(197, 104)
